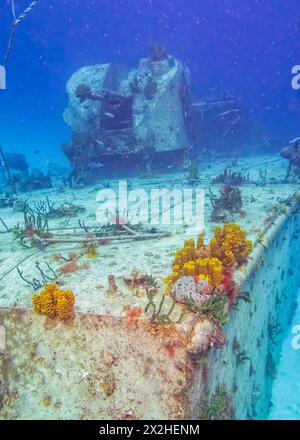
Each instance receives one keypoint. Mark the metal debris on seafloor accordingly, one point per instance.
(103, 234)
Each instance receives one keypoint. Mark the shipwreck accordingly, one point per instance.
(132, 121)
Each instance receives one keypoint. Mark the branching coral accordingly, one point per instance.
(35, 219)
(232, 178)
(46, 275)
(65, 209)
(54, 303)
(227, 204)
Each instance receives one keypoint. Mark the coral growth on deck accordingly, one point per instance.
(230, 244)
(234, 178)
(212, 262)
(202, 280)
(227, 204)
(54, 302)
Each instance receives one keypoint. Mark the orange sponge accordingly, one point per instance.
(54, 303)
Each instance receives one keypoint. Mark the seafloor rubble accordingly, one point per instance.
(123, 344)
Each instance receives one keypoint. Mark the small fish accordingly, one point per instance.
(295, 140)
(36, 151)
(99, 142)
(170, 166)
(109, 115)
(95, 165)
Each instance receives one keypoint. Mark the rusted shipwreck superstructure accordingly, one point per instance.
(128, 122)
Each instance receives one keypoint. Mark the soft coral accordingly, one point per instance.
(229, 285)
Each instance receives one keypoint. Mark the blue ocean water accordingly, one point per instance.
(246, 47)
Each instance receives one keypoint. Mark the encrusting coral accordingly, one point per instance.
(211, 263)
(54, 302)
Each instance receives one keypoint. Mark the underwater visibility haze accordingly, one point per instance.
(149, 210)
